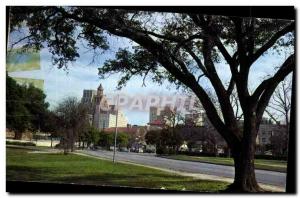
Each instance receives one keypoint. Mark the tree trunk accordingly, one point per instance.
(287, 128)
(65, 145)
(244, 179)
(71, 140)
(243, 155)
(18, 135)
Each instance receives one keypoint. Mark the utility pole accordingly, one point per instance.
(116, 129)
(8, 8)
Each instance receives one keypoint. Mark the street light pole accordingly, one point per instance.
(116, 129)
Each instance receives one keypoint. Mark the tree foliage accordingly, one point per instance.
(89, 135)
(153, 137)
(25, 106)
(167, 140)
(122, 139)
(107, 139)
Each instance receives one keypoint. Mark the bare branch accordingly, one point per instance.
(200, 76)
(272, 117)
(17, 42)
(200, 21)
(198, 61)
(277, 109)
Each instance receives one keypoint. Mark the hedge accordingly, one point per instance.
(20, 143)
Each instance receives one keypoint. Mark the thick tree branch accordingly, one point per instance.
(197, 60)
(250, 35)
(183, 42)
(272, 117)
(210, 40)
(199, 77)
(230, 86)
(265, 90)
(284, 70)
(200, 21)
(238, 22)
(242, 78)
(236, 76)
(221, 92)
(271, 42)
(169, 37)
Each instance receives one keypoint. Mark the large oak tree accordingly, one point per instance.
(182, 48)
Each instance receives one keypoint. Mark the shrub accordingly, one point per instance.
(161, 150)
(58, 146)
(197, 153)
(20, 143)
(271, 157)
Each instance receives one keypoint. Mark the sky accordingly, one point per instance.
(60, 83)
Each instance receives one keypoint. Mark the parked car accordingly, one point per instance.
(124, 149)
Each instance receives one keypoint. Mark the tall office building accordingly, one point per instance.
(102, 115)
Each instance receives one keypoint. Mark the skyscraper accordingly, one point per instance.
(102, 115)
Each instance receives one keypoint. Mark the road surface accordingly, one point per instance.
(263, 176)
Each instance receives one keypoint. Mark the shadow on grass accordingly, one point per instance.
(26, 173)
(154, 181)
(98, 178)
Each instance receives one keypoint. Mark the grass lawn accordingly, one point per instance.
(23, 165)
(274, 165)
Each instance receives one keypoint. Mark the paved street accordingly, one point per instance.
(263, 176)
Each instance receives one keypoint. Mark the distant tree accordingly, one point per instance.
(153, 137)
(210, 142)
(102, 138)
(106, 139)
(122, 139)
(280, 102)
(172, 117)
(94, 135)
(279, 142)
(72, 115)
(167, 139)
(90, 136)
(49, 124)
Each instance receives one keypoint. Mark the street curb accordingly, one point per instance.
(220, 164)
